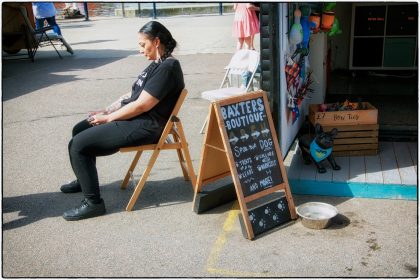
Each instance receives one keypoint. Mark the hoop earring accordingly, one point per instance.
(158, 58)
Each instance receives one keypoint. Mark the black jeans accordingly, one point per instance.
(89, 141)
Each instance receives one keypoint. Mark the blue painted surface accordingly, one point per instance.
(349, 189)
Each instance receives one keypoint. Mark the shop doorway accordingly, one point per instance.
(374, 59)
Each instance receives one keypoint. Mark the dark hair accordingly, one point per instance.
(154, 29)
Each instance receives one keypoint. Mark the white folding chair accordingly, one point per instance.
(241, 62)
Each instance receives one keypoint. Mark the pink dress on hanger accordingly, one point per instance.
(245, 23)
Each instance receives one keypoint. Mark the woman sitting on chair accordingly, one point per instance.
(136, 118)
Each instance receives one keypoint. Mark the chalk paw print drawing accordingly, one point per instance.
(252, 218)
(281, 206)
(262, 223)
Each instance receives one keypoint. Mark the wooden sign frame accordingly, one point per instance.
(217, 160)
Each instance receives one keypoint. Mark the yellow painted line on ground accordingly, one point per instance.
(220, 243)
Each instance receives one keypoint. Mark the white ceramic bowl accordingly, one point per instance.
(316, 215)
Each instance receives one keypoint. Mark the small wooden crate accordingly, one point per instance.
(357, 129)
(367, 116)
(355, 140)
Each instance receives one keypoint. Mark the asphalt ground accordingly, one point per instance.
(162, 236)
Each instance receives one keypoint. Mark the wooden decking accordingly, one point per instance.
(393, 171)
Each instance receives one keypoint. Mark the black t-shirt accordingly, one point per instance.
(165, 81)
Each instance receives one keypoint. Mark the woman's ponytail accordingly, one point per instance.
(154, 30)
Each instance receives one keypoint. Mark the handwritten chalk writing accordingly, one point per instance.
(265, 159)
(244, 121)
(252, 147)
(266, 165)
(245, 167)
(251, 143)
(265, 131)
(240, 150)
(242, 108)
(266, 182)
(233, 140)
(245, 161)
(264, 155)
(253, 187)
(249, 180)
(245, 174)
(266, 144)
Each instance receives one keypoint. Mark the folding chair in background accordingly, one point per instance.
(242, 62)
(31, 38)
(172, 138)
(37, 38)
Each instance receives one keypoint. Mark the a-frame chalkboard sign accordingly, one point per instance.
(241, 141)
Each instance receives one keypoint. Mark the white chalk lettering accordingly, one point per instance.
(266, 144)
(245, 174)
(266, 182)
(253, 187)
(239, 150)
(266, 165)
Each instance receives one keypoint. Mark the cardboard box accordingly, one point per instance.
(355, 117)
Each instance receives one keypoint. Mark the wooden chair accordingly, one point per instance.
(166, 142)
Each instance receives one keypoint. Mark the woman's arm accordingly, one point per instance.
(250, 6)
(144, 103)
(111, 108)
(117, 104)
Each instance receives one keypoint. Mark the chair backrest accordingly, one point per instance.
(173, 117)
(242, 61)
(24, 14)
(178, 104)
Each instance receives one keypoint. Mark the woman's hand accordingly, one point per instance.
(98, 119)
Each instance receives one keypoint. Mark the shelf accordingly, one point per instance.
(383, 36)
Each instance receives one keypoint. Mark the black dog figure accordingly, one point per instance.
(319, 148)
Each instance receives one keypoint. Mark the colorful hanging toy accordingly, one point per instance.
(296, 32)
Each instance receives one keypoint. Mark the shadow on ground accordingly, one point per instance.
(22, 76)
(39, 206)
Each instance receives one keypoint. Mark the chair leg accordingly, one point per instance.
(188, 161)
(31, 53)
(181, 158)
(40, 39)
(54, 47)
(142, 181)
(130, 170)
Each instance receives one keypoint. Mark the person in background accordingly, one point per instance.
(45, 11)
(245, 24)
(136, 118)
(257, 13)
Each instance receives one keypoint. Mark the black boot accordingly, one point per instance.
(71, 187)
(87, 209)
